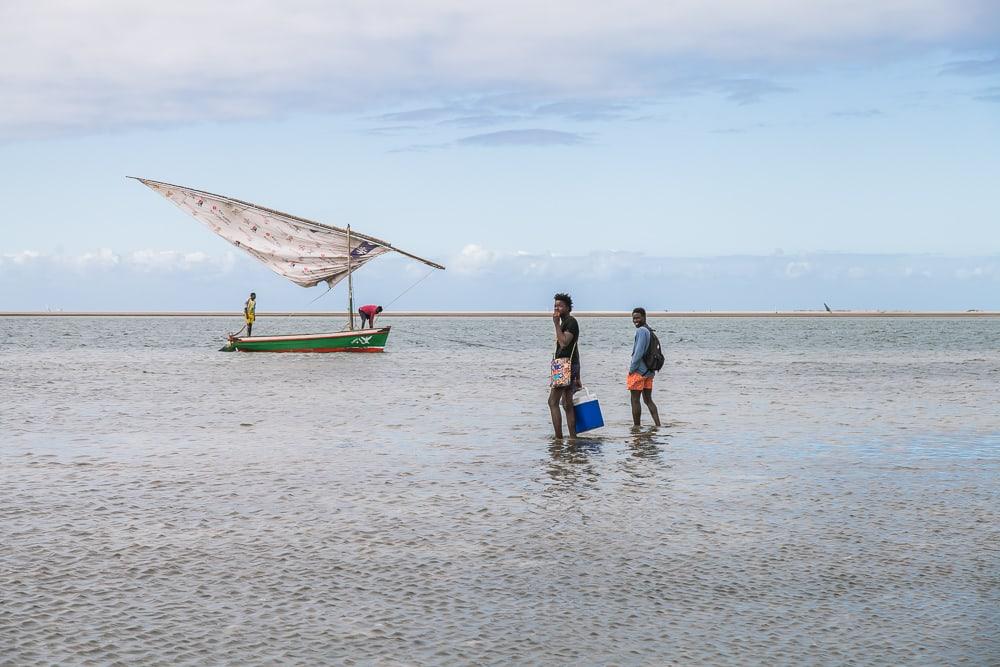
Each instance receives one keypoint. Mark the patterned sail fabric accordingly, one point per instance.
(305, 252)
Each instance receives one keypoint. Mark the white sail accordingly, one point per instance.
(305, 252)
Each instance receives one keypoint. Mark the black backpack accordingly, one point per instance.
(653, 358)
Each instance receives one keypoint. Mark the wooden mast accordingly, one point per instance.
(350, 283)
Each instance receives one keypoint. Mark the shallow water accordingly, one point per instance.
(823, 492)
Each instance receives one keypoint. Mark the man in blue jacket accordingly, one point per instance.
(640, 377)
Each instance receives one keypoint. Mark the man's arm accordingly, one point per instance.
(564, 338)
(638, 348)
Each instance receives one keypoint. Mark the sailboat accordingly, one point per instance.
(301, 250)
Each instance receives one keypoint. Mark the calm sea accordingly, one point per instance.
(823, 491)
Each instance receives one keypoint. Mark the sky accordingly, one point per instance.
(697, 154)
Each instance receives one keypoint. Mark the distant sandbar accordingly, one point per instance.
(527, 313)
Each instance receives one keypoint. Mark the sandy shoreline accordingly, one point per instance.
(521, 313)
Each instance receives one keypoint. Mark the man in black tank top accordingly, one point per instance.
(567, 331)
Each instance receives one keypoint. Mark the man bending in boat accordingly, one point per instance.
(368, 314)
(567, 332)
(249, 311)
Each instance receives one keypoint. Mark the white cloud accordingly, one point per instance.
(480, 277)
(797, 269)
(105, 259)
(67, 64)
(970, 273)
(20, 258)
(527, 137)
(172, 260)
(474, 259)
(856, 272)
(475, 262)
(610, 265)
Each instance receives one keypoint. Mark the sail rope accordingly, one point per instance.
(409, 288)
(328, 289)
(420, 280)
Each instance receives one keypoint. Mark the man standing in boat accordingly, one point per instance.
(368, 313)
(567, 331)
(249, 312)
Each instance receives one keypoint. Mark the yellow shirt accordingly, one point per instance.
(248, 310)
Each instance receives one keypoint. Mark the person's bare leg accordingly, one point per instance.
(567, 401)
(647, 397)
(633, 395)
(554, 395)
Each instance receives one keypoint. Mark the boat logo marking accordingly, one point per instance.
(361, 340)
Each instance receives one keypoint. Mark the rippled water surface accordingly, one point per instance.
(824, 491)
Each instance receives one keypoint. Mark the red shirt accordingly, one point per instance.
(369, 310)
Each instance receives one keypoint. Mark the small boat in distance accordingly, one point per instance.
(301, 250)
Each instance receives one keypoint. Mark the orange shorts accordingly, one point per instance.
(635, 382)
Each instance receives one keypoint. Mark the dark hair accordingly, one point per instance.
(640, 310)
(379, 309)
(565, 298)
(253, 295)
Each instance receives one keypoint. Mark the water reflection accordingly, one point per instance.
(575, 461)
(644, 442)
(581, 463)
(645, 448)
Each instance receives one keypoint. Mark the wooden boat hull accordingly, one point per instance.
(362, 340)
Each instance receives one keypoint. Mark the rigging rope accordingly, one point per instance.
(420, 280)
(330, 287)
(409, 288)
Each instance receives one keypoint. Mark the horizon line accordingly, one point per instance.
(522, 313)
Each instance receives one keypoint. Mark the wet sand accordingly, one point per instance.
(823, 492)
